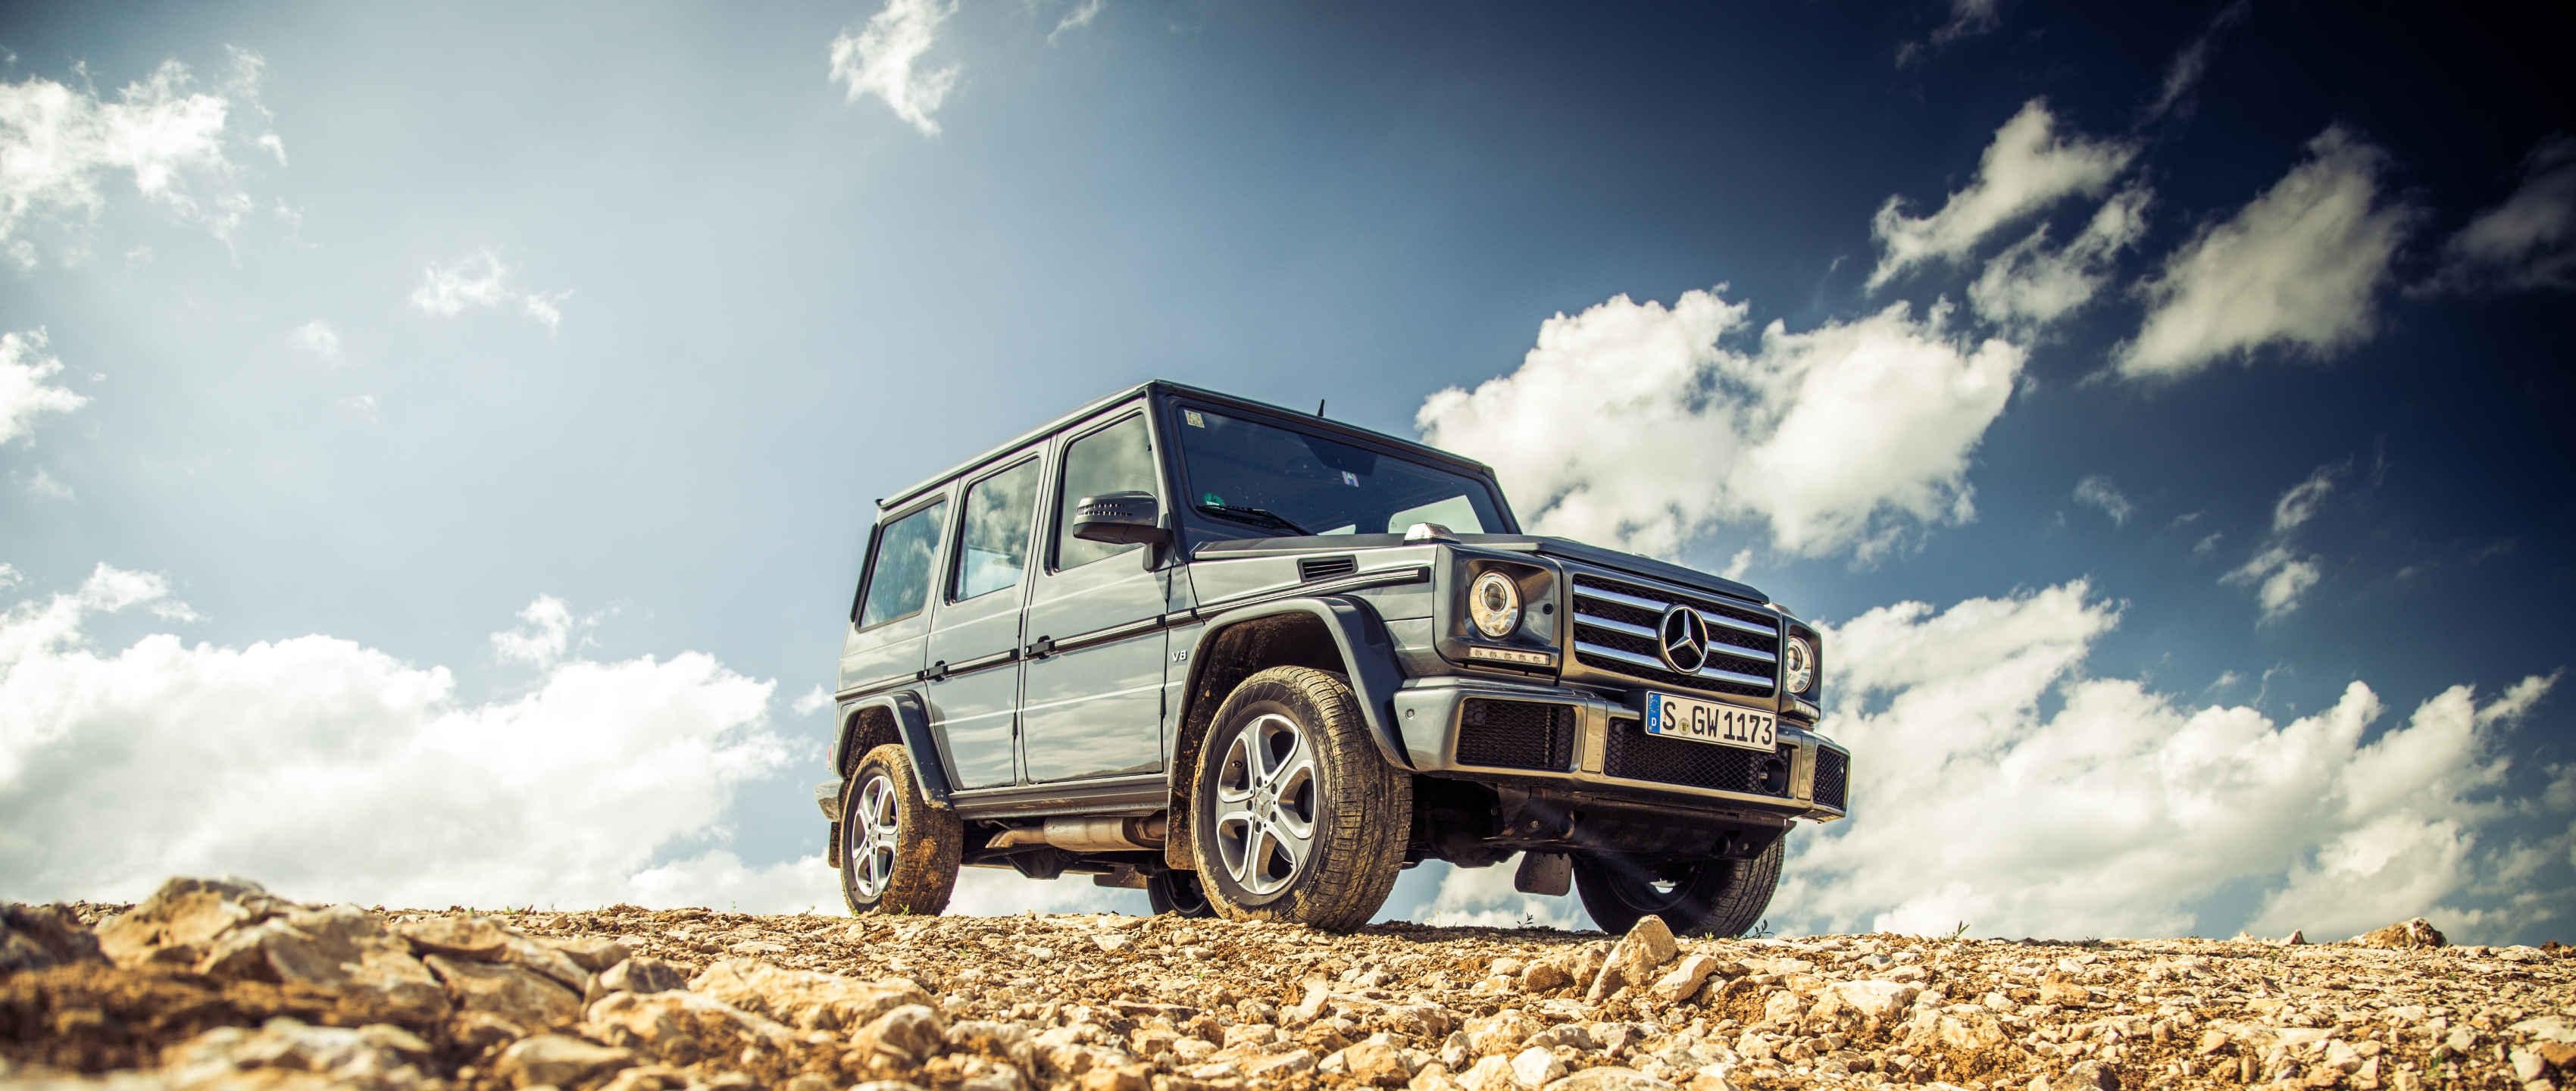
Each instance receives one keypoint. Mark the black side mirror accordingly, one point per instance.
(1123, 518)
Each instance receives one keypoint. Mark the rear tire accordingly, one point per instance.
(1722, 898)
(1295, 816)
(1179, 894)
(898, 853)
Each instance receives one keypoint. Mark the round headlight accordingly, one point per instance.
(1494, 604)
(1797, 666)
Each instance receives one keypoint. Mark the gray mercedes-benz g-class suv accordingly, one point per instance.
(1257, 662)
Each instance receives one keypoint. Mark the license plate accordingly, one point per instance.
(1711, 722)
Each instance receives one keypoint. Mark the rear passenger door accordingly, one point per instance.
(1092, 688)
(974, 679)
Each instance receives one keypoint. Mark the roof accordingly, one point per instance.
(1215, 400)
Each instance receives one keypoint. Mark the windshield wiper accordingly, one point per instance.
(1257, 517)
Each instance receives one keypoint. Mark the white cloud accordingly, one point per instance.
(2029, 166)
(318, 338)
(2031, 285)
(59, 145)
(544, 634)
(2529, 241)
(27, 391)
(1739, 564)
(601, 782)
(884, 60)
(1967, 19)
(2278, 573)
(2097, 491)
(479, 281)
(1484, 897)
(2123, 810)
(1083, 12)
(43, 485)
(815, 700)
(361, 406)
(2184, 72)
(2300, 504)
(2279, 576)
(1631, 424)
(2299, 266)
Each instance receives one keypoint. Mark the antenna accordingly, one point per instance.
(1319, 407)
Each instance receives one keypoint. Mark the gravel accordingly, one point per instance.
(217, 984)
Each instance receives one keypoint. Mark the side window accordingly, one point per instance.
(899, 574)
(1119, 458)
(993, 532)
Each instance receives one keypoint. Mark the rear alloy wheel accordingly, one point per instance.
(898, 853)
(1723, 898)
(1295, 816)
(1179, 894)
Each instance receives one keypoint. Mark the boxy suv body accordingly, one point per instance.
(1256, 662)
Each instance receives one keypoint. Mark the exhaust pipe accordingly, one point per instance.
(1087, 834)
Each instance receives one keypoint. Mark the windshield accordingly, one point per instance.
(1278, 482)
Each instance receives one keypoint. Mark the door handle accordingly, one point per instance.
(936, 672)
(1040, 648)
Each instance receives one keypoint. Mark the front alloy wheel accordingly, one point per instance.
(898, 853)
(1295, 816)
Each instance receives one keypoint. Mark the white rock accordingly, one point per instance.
(1534, 1067)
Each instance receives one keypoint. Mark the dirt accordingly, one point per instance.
(584, 1000)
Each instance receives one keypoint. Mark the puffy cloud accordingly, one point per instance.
(1632, 424)
(333, 770)
(2122, 811)
(884, 60)
(2097, 491)
(544, 634)
(2278, 573)
(2529, 241)
(2300, 266)
(2279, 577)
(27, 390)
(59, 145)
(43, 485)
(815, 700)
(480, 281)
(2030, 285)
(2028, 167)
(318, 338)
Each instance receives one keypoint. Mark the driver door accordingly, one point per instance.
(1091, 701)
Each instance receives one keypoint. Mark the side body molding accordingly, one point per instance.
(1368, 658)
(912, 727)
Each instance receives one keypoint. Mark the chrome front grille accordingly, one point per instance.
(1615, 630)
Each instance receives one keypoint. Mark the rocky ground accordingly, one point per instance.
(217, 984)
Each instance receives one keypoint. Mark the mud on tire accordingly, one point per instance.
(1295, 816)
(899, 854)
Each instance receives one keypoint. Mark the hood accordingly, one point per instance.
(1566, 548)
(1648, 567)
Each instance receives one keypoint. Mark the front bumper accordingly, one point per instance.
(1479, 728)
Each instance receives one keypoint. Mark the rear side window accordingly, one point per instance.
(993, 535)
(1119, 458)
(899, 574)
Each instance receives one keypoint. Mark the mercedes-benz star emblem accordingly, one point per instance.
(1684, 635)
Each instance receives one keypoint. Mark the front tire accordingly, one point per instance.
(1721, 898)
(898, 853)
(1295, 817)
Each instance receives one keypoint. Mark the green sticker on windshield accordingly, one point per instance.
(1212, 500)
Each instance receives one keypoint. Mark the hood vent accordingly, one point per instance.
(1311, 569)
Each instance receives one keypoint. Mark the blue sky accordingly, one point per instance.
(2191, 367)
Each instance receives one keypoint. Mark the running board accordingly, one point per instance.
(1144, 793)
